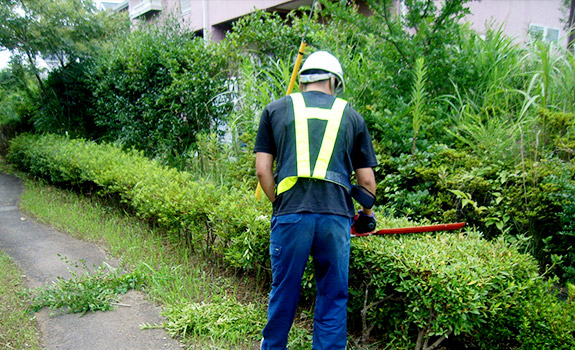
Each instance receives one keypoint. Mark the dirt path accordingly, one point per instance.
(38, 250)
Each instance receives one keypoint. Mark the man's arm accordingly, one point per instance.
(264, 171)
(366, 178)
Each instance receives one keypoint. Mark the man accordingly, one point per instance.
(317, 141)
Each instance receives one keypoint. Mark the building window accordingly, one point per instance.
(186, 6)
(539, 32)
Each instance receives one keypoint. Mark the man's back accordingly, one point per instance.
(277, 137)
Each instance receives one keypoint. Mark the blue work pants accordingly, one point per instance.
(293, 238)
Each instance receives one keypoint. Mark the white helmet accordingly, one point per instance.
(321, 60)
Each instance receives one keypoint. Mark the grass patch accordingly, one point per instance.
(17, 326)
(171, 273)
(220, 319)
(175, 275)
(86, 291)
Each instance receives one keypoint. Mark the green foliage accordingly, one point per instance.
(559, 246)
(196, 211)
(559, 131)
(67, 104)
(11, 98)
(416, 291)
(552, 74)
(157, 89)
(219, 320)
(16, 103)
(260, 51)
(408, 291)
(222, 322)
(71, 28)
(379, 54)
(418, 99)
(252, 34)
(63, 29)
(87, 291)
(465, 129)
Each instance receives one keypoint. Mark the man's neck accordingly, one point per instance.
(319, 86)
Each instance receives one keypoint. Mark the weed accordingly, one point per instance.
(88, 291)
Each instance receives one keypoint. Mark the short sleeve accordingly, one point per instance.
(264, 139)
(363, 154)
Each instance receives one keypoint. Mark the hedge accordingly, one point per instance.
(408, 292)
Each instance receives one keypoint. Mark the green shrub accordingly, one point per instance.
(16, 104)
(67, 104)
(408, 291)
(416, 291)
(157, 89)
(537, 316)
(195, 210)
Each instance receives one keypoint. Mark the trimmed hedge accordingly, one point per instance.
(208, 217)
(411, 292)
(416, 290)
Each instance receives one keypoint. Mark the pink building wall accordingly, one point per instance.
(515, 16)
(215, 13)
(219, 12)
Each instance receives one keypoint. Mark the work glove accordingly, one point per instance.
(364, 223)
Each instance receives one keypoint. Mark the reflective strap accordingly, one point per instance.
(301, 136)
(286, 184)
(329, 137)
(301, 115)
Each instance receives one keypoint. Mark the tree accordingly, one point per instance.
(67, 30)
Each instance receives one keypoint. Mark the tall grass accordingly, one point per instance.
(551, 68)
(498, 118)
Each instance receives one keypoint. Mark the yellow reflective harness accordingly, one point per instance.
(302, 114)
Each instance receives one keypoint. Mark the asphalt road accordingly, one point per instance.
(38, 250)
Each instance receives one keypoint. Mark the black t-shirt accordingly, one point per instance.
(312, 195)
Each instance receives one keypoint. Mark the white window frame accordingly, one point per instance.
(546, 30)
(186, 6)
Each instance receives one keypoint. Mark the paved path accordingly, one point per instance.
(38, 250)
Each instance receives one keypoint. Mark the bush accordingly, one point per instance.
(409, 291)
(157, 89)
(67, 104)
(413, 292)
(206, 216)
(15, 104)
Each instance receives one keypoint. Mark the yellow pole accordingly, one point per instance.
(289, 90)
(296, 67)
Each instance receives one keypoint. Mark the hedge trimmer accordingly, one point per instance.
(414, 229)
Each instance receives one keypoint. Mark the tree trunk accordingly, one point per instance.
(32, 63)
